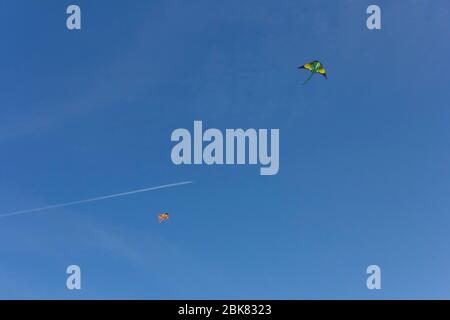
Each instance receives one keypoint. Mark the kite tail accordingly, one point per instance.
(309, 78)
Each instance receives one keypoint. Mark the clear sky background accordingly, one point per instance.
(364, 161)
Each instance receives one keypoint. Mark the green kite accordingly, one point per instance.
(314, 67)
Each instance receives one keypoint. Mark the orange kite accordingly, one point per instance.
(163, 217)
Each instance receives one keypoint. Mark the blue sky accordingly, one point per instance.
(364, 175)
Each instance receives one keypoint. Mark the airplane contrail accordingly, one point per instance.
(14, 213)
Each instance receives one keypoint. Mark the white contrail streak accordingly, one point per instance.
(8, 214)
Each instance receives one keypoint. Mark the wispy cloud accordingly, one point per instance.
(116, 195)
